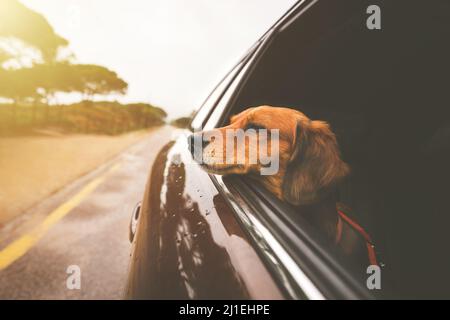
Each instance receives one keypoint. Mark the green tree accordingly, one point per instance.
(18, 84)
(19, 22)
(24, 32)
(43, 81)
(97, 80)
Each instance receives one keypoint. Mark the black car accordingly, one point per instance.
(385, 94)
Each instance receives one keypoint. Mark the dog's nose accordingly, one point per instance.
(193, 140)
(191, 143)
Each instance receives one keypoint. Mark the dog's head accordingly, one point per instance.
(309, 161)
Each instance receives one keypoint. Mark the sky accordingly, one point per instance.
(171, 52)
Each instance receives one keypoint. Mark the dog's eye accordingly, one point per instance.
(253, 126)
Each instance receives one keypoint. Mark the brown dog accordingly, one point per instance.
(310, 167)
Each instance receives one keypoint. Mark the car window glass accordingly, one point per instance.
(216, 115)
(212, 99)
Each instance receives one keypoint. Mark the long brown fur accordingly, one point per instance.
(310, 162)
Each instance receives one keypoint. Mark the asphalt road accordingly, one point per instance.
(84, 225)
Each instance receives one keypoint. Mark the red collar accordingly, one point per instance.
(370, 247)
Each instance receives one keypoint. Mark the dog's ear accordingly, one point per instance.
(315, 165)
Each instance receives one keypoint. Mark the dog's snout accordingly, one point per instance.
(196, 140)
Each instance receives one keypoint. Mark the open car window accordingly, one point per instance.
(384, 95)
(207, 106)
(217, 95)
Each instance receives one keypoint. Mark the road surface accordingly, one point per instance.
(80, 233)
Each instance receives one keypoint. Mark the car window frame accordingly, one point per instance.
(203, 114)
(221, 111)
(210, 102)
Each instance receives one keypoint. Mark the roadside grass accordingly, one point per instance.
(104, 117)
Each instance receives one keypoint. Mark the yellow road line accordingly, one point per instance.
(19, 247)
